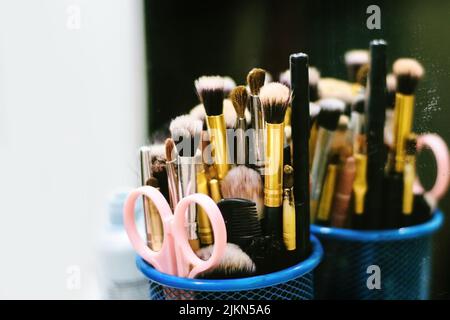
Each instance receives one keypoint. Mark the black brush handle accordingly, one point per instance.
(300, 124)
(393, 201)
(273, 220)
(376, 109)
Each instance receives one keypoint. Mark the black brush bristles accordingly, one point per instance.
(330, 111)
(408, 73)
(210, 90)
(255, 80)
(275, 98)
(358, 104)
(186, 131)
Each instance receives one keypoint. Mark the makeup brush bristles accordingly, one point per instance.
(275, 98)
(408, 73)
(235, 263)
(210, 90)
(245, 183)
(330, 111)
(238, 97)
(356, 57)
(170, 149)
(185, 131)
(255, 80)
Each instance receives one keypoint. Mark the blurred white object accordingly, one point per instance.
(118, 275)
(72, 118)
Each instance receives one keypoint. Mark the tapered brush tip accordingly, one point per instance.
(239, 97)
(330, 111)
(210, 90)
(170, 148)
(408, 72)
(255, 80)
(356, 57)
(275, 98)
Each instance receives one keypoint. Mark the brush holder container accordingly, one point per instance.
(293, 283)
(352, 258)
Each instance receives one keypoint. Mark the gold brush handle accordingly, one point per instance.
(323, 213)
(409, 176)
(273, 180)
(218, 137)
(403, 118)
(153, 225)
(204, 225)
(288, 221)
(360, 183)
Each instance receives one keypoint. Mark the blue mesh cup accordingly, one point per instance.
(402, 255)
(294, 283)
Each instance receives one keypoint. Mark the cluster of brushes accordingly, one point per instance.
(232, 146)
(362, 148)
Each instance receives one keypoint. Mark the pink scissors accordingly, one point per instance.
(440, 152)
(176, 256)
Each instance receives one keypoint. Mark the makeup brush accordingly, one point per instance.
(172, 177)
(274, 99)
(343, 193)
(255, 80)
(234, 264)
(210, 90)
(376, 112)
(285, 78)
(229, 114)
(241, 221)
(298, 63)
(268, 78)
(408, 73)
(153, 224)
(246, 183)
(186, 132)
(239, 98)
(288, 208)
(354, 60)
(327, 120)
(362, 75)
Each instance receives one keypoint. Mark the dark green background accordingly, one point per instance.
(186, 39)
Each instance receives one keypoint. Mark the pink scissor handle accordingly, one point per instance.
(440, 152)
(186, 256)
(163, 260)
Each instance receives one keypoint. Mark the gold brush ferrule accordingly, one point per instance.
(288, 220)
(215, 190)
(409, 176)
(218, 137)
(403, 119)
(273, 170)
(287, 116)
(204, 225)
(323, 213)
(360, 182)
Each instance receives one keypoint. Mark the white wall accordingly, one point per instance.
(72, 115)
